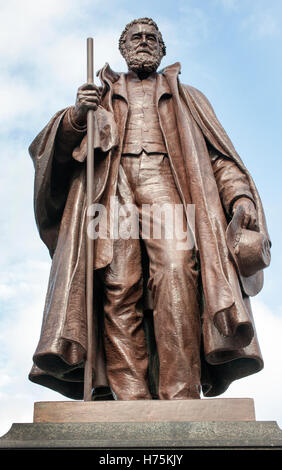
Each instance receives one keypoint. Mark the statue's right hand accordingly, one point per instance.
(88, 97)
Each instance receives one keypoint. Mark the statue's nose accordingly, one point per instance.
(144, 41)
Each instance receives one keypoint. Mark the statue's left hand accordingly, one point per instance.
(250, 213)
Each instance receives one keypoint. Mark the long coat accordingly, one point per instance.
(193, 135)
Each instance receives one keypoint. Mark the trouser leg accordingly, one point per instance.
(174, 285)
(177, 327)
(125, 345)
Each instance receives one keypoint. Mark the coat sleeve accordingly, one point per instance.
(68, 137)
(52, 178)
(231, 181)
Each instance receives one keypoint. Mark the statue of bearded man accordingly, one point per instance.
(172, 320)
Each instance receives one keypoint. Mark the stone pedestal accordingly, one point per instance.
(217, 409)
(165, 435)
(183, 424)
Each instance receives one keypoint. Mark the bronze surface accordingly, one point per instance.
(168, 323)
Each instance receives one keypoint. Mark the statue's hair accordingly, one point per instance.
(149, 21)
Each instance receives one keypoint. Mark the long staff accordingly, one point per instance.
(88, 372)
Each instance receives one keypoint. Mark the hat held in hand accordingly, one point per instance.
(250, 251)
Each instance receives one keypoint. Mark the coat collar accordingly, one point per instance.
(117, 81)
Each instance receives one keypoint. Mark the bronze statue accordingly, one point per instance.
(170, 321)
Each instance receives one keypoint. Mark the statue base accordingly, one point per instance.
(216, 409)
(179, 424)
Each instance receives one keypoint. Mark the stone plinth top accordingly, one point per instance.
(218, 409)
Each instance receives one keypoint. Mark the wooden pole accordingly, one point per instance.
(88, 372)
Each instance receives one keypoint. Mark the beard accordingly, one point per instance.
(142, 62)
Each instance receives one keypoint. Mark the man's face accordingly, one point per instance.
(142, 50)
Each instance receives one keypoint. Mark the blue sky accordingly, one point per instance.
(229, 49)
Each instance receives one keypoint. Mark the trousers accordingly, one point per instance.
(146, 181)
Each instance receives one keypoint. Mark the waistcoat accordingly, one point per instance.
(142, 130)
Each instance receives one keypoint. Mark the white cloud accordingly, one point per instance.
(6, 291)
(260, 19)
(20, 331)
(193, 25)
(4, 379)
(262, 24)
(228, 4)
(265, 386)
(43, 56)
